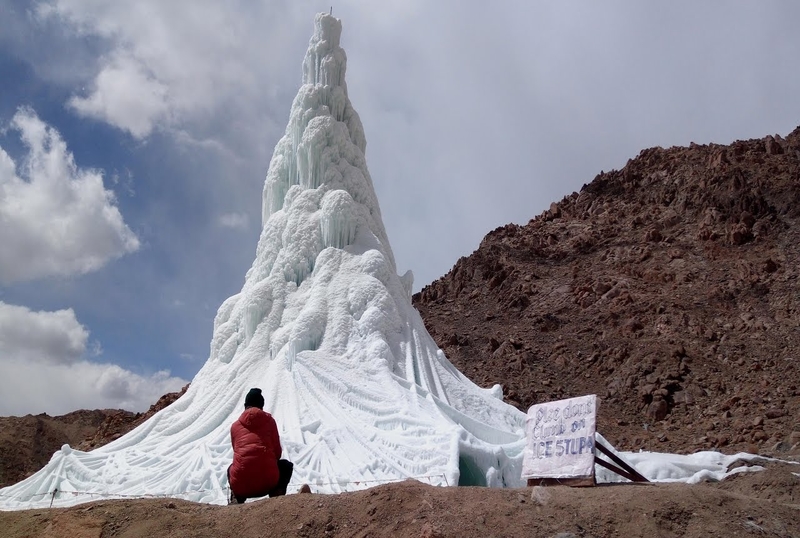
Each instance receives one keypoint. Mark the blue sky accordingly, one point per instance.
(135, 137)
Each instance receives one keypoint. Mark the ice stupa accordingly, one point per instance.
(324, 325)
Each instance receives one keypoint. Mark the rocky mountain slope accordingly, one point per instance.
(27, 443)
(669, 288)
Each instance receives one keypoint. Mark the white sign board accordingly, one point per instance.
(560, 439)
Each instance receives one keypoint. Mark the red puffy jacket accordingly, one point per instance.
(256, 450)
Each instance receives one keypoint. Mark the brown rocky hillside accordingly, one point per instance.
(27, 443)
(669, 288)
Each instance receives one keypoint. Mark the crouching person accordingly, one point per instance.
(257, 469)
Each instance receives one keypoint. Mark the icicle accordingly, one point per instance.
(339, 221)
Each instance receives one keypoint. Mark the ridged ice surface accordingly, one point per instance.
(324, 325)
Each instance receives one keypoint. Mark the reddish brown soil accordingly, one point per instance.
(766, 503)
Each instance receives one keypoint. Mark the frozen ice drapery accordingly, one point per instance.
(324, 325)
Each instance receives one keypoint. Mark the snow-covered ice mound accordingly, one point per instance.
(324, 325)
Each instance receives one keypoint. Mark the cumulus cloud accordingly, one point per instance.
(166, 69)
(237, 221)
(43, 337)
(126, 96)
(57, 219)
(45, 367)
(57, 389)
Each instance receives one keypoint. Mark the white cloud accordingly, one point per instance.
(44, 368)
(56, 219)
(183, 61)
(43, 337)
(57, 389)
(237, 221)
(126, 96)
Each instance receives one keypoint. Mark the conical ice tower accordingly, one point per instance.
(324, 325)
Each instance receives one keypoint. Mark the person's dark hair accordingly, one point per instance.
(254, 399)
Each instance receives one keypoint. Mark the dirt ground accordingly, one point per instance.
(763, 503)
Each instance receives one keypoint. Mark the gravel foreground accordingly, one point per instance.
(749, 504)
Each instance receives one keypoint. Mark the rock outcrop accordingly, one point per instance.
(669, 288)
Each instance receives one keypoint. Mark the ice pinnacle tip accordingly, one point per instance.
(327, 28)
(325, 61)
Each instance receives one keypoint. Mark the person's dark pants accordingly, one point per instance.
(285, 470)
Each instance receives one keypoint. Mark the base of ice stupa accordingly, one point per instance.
(324, 325)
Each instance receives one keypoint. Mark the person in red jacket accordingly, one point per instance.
(257, 469)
